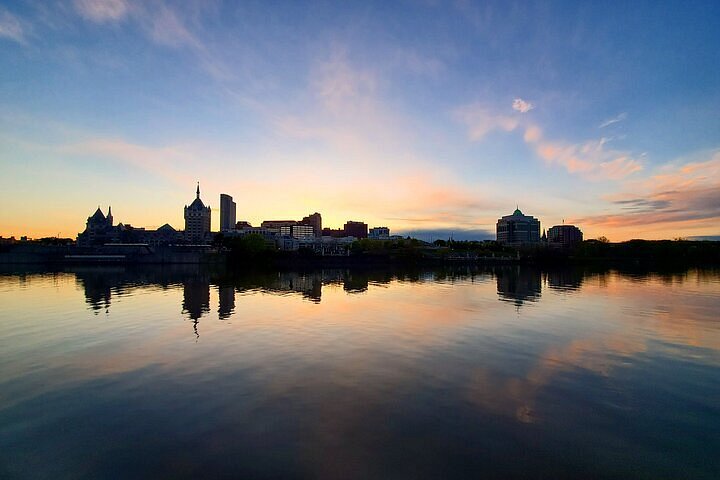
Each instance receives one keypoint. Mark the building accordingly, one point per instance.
(242, 224)
(518, 229)
(564, 235)
(275, 225)
(356, 229)
(99, 229)
(333, 232)
(314, 220)
(301, 232)
(227, 212)
(197, 220)
(379, 233)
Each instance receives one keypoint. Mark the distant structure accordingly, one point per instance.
(315, 221)
(277, 223)
(227, 213)
(333, 232)
(99, 229)
(564, 236)
(518, 229)
(299, 231)
(356, 229)
(379, 233)
(197, 220)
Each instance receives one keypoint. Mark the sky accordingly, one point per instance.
(430, 117)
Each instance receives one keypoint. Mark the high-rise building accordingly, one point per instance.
(518, 229)
(356, 229)
(197, 220)
(564, 235)
(314, 220)
(227, 213)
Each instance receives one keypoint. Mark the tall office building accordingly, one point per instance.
(315, 220)
(197, 220)
(227, 213)
(518, 229)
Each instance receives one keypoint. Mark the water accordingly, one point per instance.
(499, 373)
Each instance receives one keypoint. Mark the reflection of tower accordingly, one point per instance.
(196, 299)
(226, 296)
(518, 285)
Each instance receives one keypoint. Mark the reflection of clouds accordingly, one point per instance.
(353, 357)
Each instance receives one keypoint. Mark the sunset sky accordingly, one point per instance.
(429, 117)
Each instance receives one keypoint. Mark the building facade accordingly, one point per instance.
(314, 220)
(518, 229)
(564, 235)
(99, 229)
(379, 233)
(356, 229)
(227, 212)
(197, 220)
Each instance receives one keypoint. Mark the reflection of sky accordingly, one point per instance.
(346, 377)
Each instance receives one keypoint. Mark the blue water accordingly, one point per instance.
(464, 373)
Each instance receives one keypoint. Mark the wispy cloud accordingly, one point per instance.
(591, 159)
(10, 27)
(521, 105)
(101, 11)
(481, 120)
(162, 24)
(619, 118)
(681, 195)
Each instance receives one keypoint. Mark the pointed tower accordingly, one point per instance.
(109, 217)
(197, 220)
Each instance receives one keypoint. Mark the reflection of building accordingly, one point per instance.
(226, 295)
(197, 220)
(379, 233)
(518, 285)
(518, 229)
(565, 279)
(227, 213)
(564, 235)
(356, 229)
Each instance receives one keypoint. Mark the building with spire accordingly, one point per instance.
(518, 229)
(99, 229)
(197, 220)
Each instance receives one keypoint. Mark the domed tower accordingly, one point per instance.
(197, 220)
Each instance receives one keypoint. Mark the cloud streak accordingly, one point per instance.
(619, 118)
(102, 11)
(11, 28)
(682, 197)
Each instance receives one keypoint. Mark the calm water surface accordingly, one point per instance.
(502, 373)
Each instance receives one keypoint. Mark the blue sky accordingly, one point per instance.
(422, 116)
